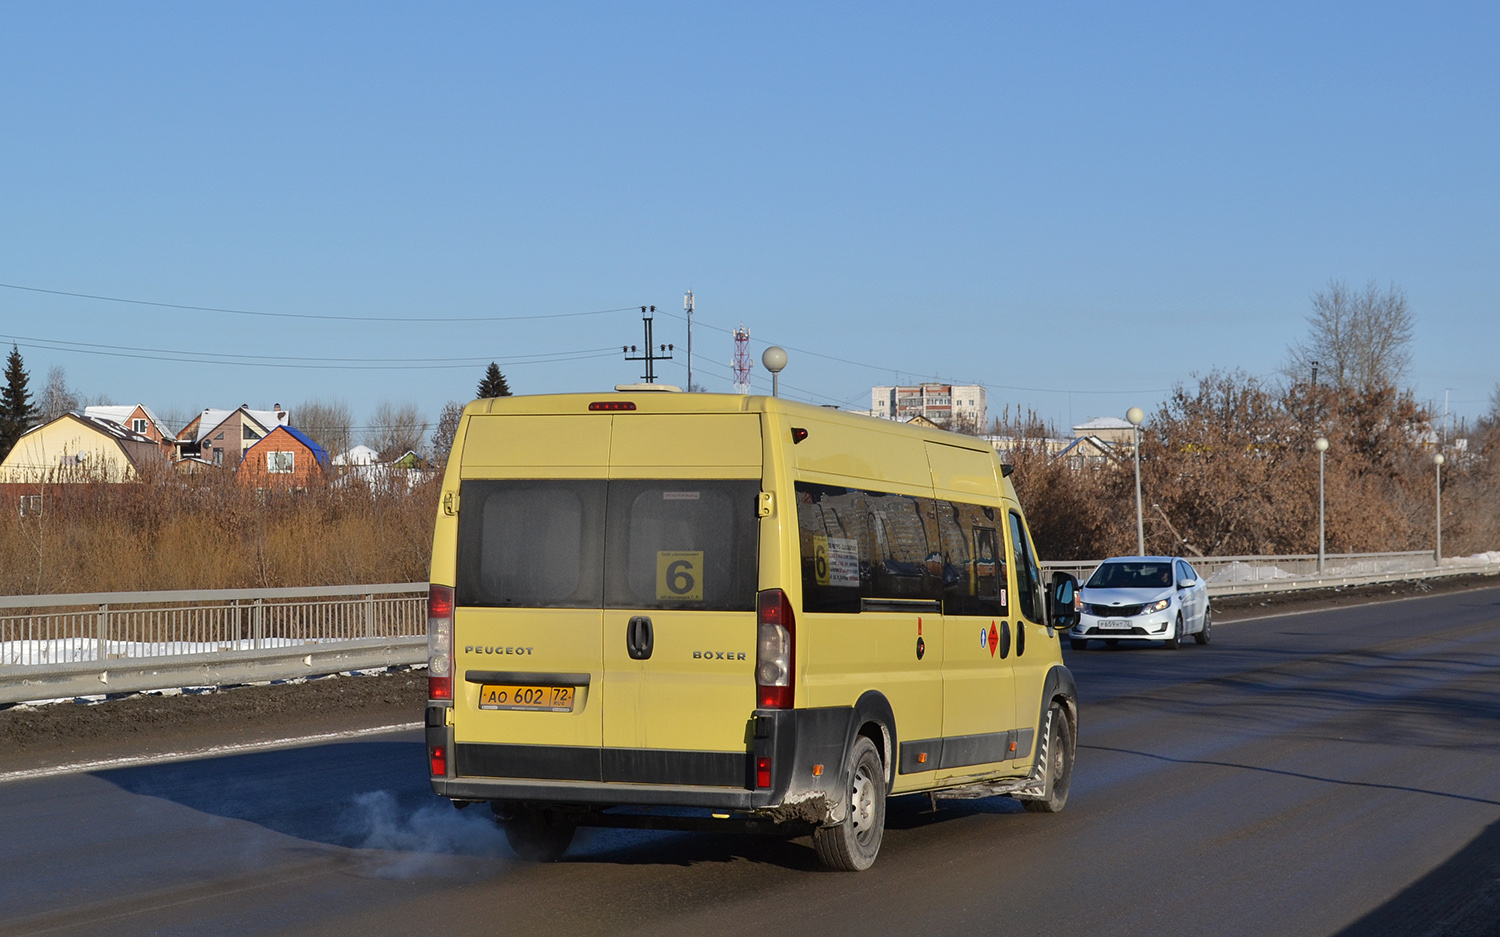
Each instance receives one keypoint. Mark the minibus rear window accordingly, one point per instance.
(531, 544)
(632, 544)
(682, 544)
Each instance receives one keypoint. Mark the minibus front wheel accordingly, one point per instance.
(853, 844)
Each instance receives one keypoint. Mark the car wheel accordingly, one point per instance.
(1208, 623)
(851, 846)
(1175, 641)
(537, 834)
(1078, 644)
(1057, 762)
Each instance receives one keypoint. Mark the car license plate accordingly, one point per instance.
(1114, 624)
(556, 699)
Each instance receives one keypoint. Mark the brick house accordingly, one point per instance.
(139, 419)
(285, 458)
(222, 437)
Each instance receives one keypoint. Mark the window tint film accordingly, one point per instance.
(1144, 575)
(1028, 574)
(682, 544)
(531, 544)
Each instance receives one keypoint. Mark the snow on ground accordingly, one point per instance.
(80, 650)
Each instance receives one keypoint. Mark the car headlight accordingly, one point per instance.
(1157, 606)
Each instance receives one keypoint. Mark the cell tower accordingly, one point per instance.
(742, 360)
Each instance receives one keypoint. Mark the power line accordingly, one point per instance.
(305, 315)
(898, 371)
(218, 354)
(266, 361)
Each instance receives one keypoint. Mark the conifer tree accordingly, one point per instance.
(494, 384)
(16, 411)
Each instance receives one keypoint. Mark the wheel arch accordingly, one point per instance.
(874, 719)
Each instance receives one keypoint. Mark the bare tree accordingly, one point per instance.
(56, 397)
(176, 417)
(396, 429)
(447, 427)
(1358, 339)
(327, 421)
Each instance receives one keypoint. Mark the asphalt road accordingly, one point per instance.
(1326, 773)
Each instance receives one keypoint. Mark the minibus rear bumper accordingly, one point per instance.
(802, 749)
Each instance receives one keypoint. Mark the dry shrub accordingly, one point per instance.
(206, 532)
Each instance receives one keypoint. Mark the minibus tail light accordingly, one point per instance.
(440, 642)
(775, 650)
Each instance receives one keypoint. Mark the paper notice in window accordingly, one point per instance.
(843, 562)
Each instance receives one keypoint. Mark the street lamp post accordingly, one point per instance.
(1322, 446)
(1437, 462)
(774, 358)
(1136, 415)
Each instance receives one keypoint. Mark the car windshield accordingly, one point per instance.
(1153, 575)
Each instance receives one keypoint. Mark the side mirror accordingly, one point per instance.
(1062, 602)
(1186, 583)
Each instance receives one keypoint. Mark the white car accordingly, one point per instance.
(1143, 598)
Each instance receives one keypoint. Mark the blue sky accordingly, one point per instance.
(1076, 205)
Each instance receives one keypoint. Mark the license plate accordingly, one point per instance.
(556, 699)
(1114, 624)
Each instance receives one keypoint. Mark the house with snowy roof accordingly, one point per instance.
(222, 437)
(74, 448)
(1110, 429)
(361, 464)
(285, 457)
(139, 419)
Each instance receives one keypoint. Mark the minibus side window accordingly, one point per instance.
(834, 538)
(1028, 574)
(531, 543)
(858, 544)
(905, 560)
(682, 544)
(973, 561)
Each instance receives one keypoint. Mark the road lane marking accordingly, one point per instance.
(1340, 608)
(131, 761)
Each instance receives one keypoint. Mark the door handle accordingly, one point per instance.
(639, 638)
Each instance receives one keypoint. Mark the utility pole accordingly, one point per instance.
(687, 304)
(651, 356)
(1135, 415)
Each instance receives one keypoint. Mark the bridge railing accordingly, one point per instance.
(107, 642)
(59, 646)
(1249, 575)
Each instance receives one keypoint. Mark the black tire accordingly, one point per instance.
(537, 834)
(1175, 641)
(1078, 644)
(1208, 623)
(851, 846)
(1057, 760)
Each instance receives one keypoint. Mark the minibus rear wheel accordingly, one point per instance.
(852, 845)
(536, 833)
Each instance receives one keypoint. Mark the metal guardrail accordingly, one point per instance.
(59, 646)
(55, 646)
(1250, 575)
